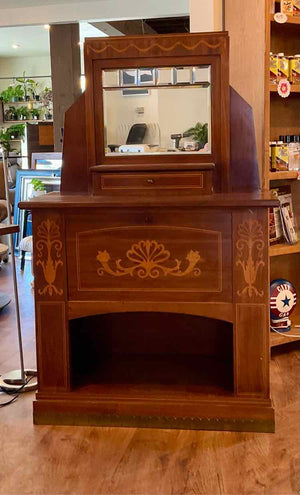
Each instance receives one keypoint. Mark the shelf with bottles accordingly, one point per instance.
(284, 155)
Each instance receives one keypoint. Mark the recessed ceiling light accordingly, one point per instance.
(46, 26)
(16, 45)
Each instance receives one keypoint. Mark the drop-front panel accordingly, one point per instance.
(149, 255)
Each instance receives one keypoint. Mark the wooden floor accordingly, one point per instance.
(87, 460)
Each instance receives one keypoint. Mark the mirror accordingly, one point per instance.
(157, 110)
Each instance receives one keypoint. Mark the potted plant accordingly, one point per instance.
(35, 114)
(38, 186)
(23, 113)
(46, 97)
(7, 94)
(198, 133)
(5, 141)
(16, 131)
(27, 85)
(11, 114)
(18, 93)
(33, 89)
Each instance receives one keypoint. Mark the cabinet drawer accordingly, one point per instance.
(201, 181)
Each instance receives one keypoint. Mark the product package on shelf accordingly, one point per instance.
(275, 226)
(283, 193)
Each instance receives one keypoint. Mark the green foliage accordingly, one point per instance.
(5, 141)
(23, 113)
(15, 131)
(11, 113)
(38, 185)
(14, 92)
(198, 133)
(35, 113)
(7, 94)
(28, 84)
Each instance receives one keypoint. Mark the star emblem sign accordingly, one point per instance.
(286, 301)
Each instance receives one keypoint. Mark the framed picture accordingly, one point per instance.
(146, 77)
(128, 77)
(24, 188)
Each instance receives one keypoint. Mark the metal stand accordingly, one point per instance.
(18, 380)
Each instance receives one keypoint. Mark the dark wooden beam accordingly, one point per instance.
(65, 70)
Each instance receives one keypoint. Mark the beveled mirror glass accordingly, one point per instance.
(157, 110)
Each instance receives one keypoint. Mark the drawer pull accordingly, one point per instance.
(150, 181)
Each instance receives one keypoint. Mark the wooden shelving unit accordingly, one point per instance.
(284, 175)
(295, 88)
(282, 116)
(285, 337)
(291, 19)
(282, 249)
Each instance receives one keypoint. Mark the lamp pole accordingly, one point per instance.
(16, 379)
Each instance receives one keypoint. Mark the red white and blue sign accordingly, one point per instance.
(283, 300)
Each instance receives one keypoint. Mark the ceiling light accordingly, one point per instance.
(15, 46)
(46, 26)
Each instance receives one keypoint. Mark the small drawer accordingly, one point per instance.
(109, 182)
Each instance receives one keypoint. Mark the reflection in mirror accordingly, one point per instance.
(161, 110)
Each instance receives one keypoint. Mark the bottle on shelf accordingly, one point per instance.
(284, 154)
(283, 67)
(294, 70)
(273, 68)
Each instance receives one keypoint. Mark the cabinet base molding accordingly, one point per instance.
(232, 414)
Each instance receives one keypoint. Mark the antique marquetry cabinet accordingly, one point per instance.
(151, 264)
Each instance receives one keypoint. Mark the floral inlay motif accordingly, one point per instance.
(149, 259)
(250, 247)
(49, 248)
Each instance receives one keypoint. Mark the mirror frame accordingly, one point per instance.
(163, 51)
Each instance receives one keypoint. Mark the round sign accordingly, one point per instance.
(280, 18)
(283, 299)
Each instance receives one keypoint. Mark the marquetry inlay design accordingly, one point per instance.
(49, 247)
(149, 259)
(250, 247)
(146, 49)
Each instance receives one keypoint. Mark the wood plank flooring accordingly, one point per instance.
(55, 460)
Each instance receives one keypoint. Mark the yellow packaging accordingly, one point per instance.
(283, 67)
(296, 7)
(280, 157)
(286, 7)
(273, 68)
(294, 76)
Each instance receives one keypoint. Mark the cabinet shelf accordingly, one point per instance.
(284, 338)
(295, 88)
(291, 19)
(283, 175)
(282, 249)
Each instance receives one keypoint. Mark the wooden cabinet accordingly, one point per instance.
(152, 268)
